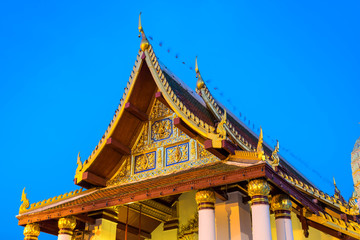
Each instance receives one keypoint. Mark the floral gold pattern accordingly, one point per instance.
(205, 196)
(32, 231)
(66, 225)
(258, 187)
(280, 202)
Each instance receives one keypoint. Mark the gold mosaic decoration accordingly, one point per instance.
(145, 162)
(177, 154)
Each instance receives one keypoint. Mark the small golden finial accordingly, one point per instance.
(144, 42)
(221, 127)
(79, 163)
(25, 202)
(259, 148)
(274, 156)
(200, 83)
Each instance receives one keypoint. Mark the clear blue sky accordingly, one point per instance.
(291, 67)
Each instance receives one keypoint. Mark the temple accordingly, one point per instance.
(174, 163)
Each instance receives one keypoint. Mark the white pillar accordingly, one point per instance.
(259, 190)
(32, 231)
(66, 227)
(205, 200)
(281, 205)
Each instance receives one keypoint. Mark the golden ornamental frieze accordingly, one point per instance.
(159, 110)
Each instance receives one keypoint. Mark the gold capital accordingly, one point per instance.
(258, 187)
(66, 225)
(32, 231)
(281, 202)
(205, 199)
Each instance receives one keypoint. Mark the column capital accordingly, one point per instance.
(205, 199)
(258, 187)
(281, 204)
(66, 225)
(32, 231)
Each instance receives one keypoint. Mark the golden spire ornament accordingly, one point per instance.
(220, 130)
(200, 83)
(260, 148)
(274, 156)
(144, 42)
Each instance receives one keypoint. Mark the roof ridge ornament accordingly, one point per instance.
(220, 129)
(79, 163)
(275, 160)
(25, 202)
(144, 42)
(200, 82)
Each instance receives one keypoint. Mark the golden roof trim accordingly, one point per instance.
(349, 228)
(349, 209)
(50, 201)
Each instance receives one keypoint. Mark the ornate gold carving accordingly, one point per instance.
(258, 187)
(177, 154)
(220, 129)
(281, 202)
(189, 231)
(25, 202)
(66, 225)
(79, 163)
(275, 160)
(32, 231)
(159, 110)
(159, 152)
(205, 197)
(161, 129)
(145, 162)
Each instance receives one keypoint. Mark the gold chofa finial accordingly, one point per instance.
(144, 42)
(25, 202)
(200, 83)
(79, 163)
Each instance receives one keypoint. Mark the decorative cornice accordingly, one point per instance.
(32, 231)
(258, 187)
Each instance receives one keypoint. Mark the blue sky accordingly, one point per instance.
(291, 67)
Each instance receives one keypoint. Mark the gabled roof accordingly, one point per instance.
(200, 116)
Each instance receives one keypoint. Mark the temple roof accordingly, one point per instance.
(239, 153)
